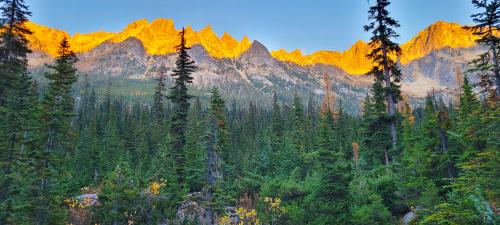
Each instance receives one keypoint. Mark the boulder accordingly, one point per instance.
(409, 218)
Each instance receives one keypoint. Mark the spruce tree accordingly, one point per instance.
(385, 70)
(180, 98)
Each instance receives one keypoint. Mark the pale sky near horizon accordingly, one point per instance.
(306, 25)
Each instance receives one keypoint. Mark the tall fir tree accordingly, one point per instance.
(180, 98)
(57, 112)
(385, 70)
(18, 107)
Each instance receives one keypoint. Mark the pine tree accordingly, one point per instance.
(385, 70)
(180, 98)
(487, 24)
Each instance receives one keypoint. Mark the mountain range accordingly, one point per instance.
(433, 60)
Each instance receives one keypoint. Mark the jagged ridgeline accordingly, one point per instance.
(245, 70)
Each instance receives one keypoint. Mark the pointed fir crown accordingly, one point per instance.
(160, 37)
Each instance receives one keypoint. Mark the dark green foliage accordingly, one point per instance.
(276, 136)
(17, 109)
(375, 132)
(367, 204)
(196, 156)
(159, 94)
(13, 43)
(180, 98)
(487, 24)
(218, 155)
(386, 71)
(57, 112)
(335, 171)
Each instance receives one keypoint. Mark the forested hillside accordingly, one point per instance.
(76, 152)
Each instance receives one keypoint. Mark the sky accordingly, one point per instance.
(308, 25)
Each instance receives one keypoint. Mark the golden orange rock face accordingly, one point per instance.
(158, 37)
(161, 37)
(437, 36)
(353, 60)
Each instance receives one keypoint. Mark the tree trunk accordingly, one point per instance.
(391, 103)
(444, 149)
(214, 174)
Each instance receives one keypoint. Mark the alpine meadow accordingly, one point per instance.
(174, 125)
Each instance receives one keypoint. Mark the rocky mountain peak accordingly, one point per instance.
(257, 50)
(160, 38)
(437, 36)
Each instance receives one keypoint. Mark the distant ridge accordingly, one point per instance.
(435, 37)
(160, 37)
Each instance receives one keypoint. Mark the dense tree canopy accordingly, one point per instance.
(75, 152)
